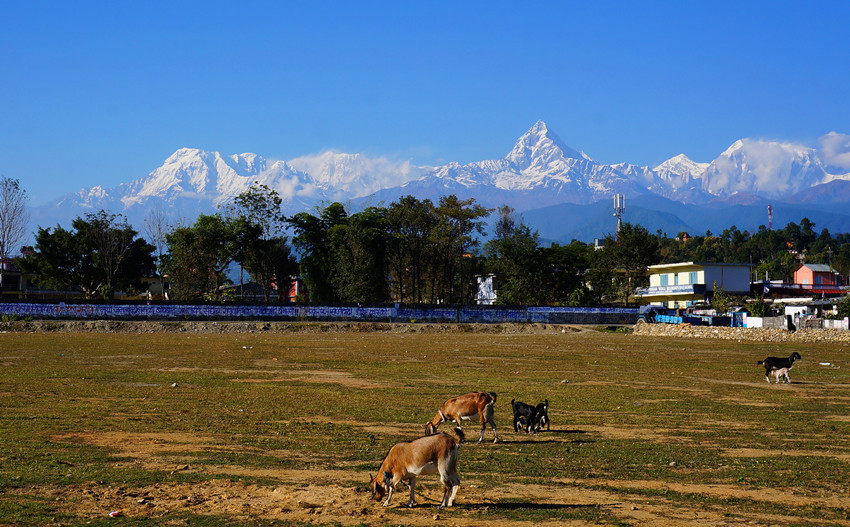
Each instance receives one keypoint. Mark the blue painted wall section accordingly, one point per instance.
(542, 315)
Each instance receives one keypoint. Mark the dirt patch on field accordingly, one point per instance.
(339, 495)
(203, 326)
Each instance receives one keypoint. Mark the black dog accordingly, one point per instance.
(530, 418)
(778, 363)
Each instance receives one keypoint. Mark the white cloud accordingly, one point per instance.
(835, 150)
(355, 175)
(762, 167)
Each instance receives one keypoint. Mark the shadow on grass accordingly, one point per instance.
(542, 439)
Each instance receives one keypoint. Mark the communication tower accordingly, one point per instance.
(770, 217)
(619, 208)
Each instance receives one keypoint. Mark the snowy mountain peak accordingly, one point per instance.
(769, 169)
(540, 146)
(680, 166)
(734, 147)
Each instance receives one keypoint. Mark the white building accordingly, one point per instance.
(680, 285)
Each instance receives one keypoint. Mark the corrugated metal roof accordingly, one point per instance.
(818, 268)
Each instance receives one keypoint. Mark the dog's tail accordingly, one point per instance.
(760, 362)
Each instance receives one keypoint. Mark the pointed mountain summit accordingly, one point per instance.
(680, 167)
(540, 146)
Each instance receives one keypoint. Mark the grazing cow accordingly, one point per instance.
(465, 407)
(781, 375)
(778, 363)
(406, 460)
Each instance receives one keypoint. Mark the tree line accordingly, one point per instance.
(411, 251)
(774, 253)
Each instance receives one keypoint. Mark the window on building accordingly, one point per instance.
(693, 277)
(665, 279)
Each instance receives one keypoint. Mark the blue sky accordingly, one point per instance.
(100, 93)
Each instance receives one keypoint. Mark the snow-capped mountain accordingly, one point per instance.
(193, 181)
(539, 171)
(766, 169)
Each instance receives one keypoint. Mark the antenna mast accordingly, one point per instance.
(619, 208)
(770, 217)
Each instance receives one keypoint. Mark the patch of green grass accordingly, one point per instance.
(804, 512)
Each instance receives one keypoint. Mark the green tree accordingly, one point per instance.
(358, 249)
(411, 223)
(262, 249)
(270, 263)
(101, 254)
(523, 273)
(312, 242)
(453, 238)
(621, 266)
(198, 256)
(569, 264)
(843, 306)
(721, 302)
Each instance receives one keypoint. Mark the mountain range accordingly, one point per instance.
(562, 193)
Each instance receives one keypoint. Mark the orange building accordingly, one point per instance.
(816, 275)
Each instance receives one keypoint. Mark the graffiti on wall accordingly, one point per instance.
(552, 315)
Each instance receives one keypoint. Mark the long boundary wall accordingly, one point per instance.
(544, 315)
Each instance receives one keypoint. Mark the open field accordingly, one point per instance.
(284, 429)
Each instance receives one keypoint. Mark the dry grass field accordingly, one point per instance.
(200, 428)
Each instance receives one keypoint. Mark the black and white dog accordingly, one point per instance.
(779, 363)
(530, 418)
